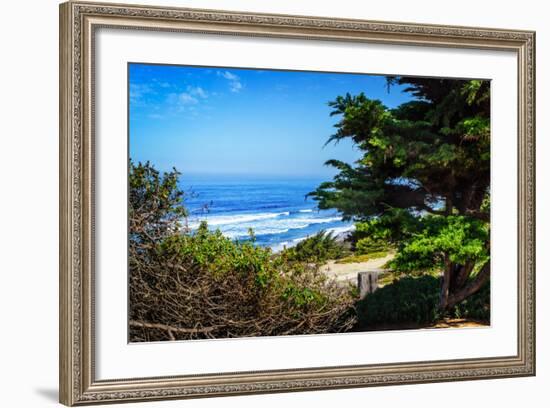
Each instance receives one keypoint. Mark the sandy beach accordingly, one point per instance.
(348, 271)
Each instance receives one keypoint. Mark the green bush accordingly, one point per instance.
(212, 251)
(411, 301)
(318, 248)
(224, 288)
(201, 284)
(408, 300)
(477, 306)
(371, 237)
(368, 245)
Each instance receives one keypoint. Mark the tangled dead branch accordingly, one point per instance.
(182, 300)
(202, 285)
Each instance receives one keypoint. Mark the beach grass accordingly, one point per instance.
(362, 258)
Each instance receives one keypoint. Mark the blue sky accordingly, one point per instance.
(209, 121)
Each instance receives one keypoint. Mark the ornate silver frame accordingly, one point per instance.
(78, 22)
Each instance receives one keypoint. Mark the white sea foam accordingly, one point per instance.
(306, 211)
(287, 244)
(219, 220)
(293, 223)
(240, 233)
(279, 225)
(341, 230)
(238, 226)
(280, 246)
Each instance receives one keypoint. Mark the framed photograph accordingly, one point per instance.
(256, 203)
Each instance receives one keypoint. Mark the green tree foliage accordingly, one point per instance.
(422, 183)
(155, 203)
(318, 248)
(370, 239)
(201, 284)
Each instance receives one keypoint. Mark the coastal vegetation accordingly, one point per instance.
(201, 284)
(318, 248)
(419, 196)
(422, 184)
(414, 302)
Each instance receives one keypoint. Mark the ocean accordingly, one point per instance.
(275, 209)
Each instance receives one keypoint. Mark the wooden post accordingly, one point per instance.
(367, 282)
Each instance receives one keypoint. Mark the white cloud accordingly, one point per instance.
(197, 91)
(187, 99)
(160, 83)
(191, 97)
(235, 84)
(138, 92)
(229, 75)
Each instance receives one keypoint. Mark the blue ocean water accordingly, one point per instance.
(276, 210)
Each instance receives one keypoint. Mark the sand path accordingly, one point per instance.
(348, 271)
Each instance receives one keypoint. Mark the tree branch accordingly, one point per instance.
(463, 274)
(170, 329)
(481, 278)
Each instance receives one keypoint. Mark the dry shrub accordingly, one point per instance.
(202, 285)
(206, 286)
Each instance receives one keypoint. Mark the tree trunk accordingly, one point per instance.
(454, 287)
(449, 267)
(445, 283)
(481, 278)
(461, 275)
